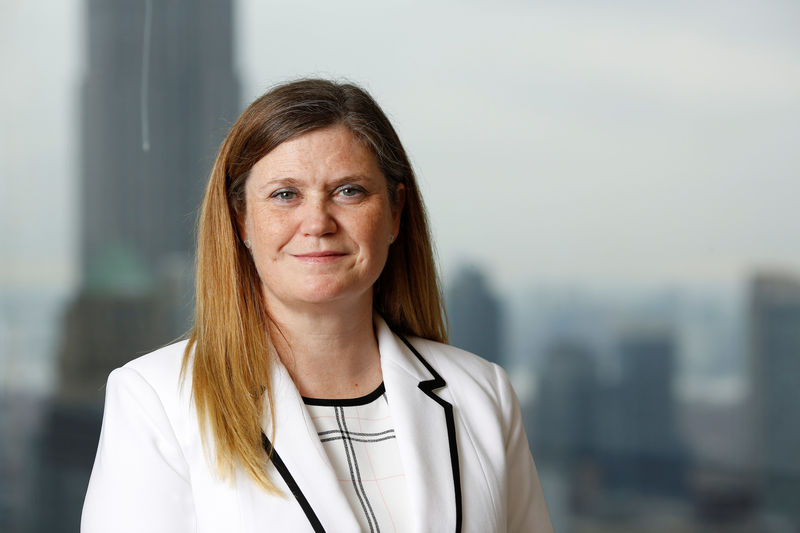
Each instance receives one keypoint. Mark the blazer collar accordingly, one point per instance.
(301, 461)
(425, 428)
(426, 437)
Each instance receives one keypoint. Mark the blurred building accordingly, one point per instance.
(565, 414)
(474, 312)
(774, 315)
(639, 447)
(657, 455)
(564, 428)
(618, 450)
(160, 93)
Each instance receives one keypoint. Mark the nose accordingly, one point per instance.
(317, 219)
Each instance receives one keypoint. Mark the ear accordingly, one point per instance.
(397, 208)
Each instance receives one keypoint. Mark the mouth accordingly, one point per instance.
(319, 257)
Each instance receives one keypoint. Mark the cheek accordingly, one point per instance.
(269, 230)
(374, 228)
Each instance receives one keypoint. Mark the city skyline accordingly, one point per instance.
(616, 178)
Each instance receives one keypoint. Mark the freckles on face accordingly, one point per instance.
(318, 219)
(267, 226)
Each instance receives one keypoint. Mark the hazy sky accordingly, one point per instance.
(554, 141)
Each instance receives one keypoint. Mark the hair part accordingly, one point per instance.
(229, 350)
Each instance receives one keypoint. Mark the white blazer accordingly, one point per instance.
(459, 431)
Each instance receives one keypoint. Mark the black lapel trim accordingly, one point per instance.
(428, 387)
(292, 484)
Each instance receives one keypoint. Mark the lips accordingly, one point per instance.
(319, 257)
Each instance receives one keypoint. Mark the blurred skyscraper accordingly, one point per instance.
(643, 407)
(159, 95)
(619, 437)
(565, 416)
(474, 311)
(775, 370)
(563, 425)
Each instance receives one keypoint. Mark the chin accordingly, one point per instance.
(322, 291)
(317, 294)
(327, 294)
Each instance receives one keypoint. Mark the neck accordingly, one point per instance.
(329, 352)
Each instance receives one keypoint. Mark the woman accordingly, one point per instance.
(315, 392)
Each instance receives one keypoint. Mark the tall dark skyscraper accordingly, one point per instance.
(657, 455)
(775, 369)
(565, 417)
(473, 310)
(160, 93)
(638, 446)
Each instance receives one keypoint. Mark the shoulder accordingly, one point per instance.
(160, 365)
(144, 457)
(155, 376)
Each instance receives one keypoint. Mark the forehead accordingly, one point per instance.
(331, 152)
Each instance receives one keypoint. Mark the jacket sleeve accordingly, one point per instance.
(526, 509)
(140, 479)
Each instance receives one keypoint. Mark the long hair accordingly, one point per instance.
(229, 348)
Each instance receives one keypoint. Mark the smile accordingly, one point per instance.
(319, 257)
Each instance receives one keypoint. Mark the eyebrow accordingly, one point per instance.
(354, 177)
(289, 181)
(277, 182)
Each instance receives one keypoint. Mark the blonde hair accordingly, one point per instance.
(229, 349)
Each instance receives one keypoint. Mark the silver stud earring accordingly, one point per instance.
(391, 239)
(247, 243)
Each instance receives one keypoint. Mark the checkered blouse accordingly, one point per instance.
(358, 436)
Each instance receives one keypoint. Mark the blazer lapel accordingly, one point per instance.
(426, 436)
(302, 462)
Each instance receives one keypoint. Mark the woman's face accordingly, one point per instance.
(319, 220)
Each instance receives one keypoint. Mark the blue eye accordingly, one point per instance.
(284, 194)
(351, 191)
